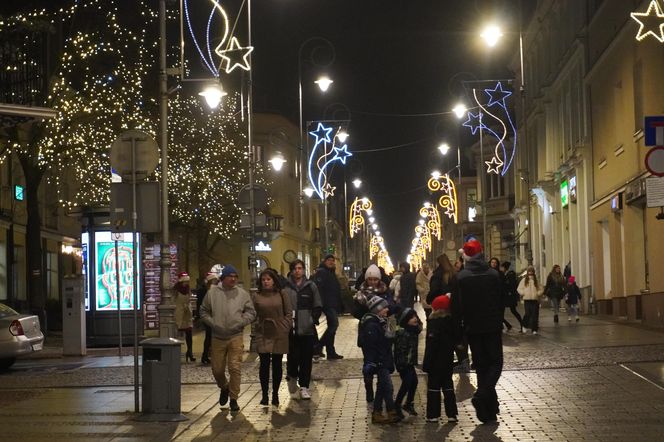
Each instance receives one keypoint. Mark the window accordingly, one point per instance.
(52, 281)
(496, 186)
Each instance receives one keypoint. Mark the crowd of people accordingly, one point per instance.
(464, 305)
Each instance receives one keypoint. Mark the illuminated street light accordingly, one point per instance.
(491, 34)
(277, 161)
(435, 174)
(324, 83)
(357, 183)
(213, 95)
(343, 136)
(308, 191)
(460, 110)
(444, 148)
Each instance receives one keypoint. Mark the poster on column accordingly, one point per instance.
(151, 279)
(107, 277)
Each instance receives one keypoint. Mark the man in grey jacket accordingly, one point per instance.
(227, 309)
(307, 304)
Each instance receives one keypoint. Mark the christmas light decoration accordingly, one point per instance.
(448, 200)
(207, 55)
(319, 160)
(374, 245)
(356, 220)
(432, 218)
(424, 234)
(651, 22)
(235, 56)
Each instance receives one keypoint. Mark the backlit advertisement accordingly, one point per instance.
(106, 276)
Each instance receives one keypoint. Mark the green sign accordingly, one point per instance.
(19, 192)
(564, 193)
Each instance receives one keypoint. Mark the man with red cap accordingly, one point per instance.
(477, 306)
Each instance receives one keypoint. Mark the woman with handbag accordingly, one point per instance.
(274, 321)
(183, 314)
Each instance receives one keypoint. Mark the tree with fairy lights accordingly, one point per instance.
(207, 169)
(97, 89)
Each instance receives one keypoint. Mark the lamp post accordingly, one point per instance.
(491, 35)
(323, 85)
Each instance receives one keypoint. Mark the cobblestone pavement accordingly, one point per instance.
(578, 381)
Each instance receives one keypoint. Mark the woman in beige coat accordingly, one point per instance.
(274, 322)
(530, 290)
(183, 314)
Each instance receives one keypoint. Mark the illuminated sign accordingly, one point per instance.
(19, 193)
(572, 189)
(106, 276)
(263, 247)
(564, 193)
(616, 202)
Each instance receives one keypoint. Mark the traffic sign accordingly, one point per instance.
(146, 154)
(655, 161)
(654, 131)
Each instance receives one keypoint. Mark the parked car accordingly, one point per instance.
(19, 335)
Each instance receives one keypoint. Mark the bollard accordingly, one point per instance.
(161, 380)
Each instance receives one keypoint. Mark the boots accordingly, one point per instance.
(394, 417)
(378, 418)
(264, 401)
(555, 319)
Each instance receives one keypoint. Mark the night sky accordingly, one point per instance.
(398, 68)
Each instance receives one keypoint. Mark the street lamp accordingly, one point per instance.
(277, 161)
(308, 191)
(324, 83)
(435, 174)
(460, 110)
(491, 35)
(357, 183)
(444, 148)
(213, 95)
(342, 136)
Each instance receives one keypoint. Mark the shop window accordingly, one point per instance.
(52, 280)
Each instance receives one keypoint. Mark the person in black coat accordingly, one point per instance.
(330, 293)
(375, 339)
(407, 286)
(572, 299)
(511, 295)
(439, 360)
(405, 359)
(477, 304)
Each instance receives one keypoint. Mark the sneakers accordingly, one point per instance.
(523, 330)
(452, 419)
(316, 359)
(223, 397)
(534, 332)
(292, 387)
(234, 406)
(432, 419)
(304, 393)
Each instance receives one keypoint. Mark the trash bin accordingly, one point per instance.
(161, 378)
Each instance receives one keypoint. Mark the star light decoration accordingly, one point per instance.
(376, 243)
(503, 154)
(356, 219)
(651, 22)
(448, 200)
(232, 54)
(321, 159)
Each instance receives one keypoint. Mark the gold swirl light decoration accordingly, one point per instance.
(374, 245)
(448, 200)
(432, 216)
(424, 235)
(356, 220)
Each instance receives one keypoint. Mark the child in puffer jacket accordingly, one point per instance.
(405, 359)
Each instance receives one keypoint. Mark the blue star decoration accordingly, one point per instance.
(497, 95)
(341, 153)
(494, 165)
(321, 133)
(235, 56)
(473, 122)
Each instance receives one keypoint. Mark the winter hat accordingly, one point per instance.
(183, 277)
(441, 302)
(372, 272)
(406, 315)
(328, 256)
(376, 304)
(472, 248)
(572, 279)
(210, 276)
(228, 270)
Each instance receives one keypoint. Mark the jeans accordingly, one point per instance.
(408, 385)
(264, 372)
(555, 305)
(327, 339)
(227, 351)
(384, 391)
(531, 317)
(573, 309)
(300, 355)
(487, 349)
